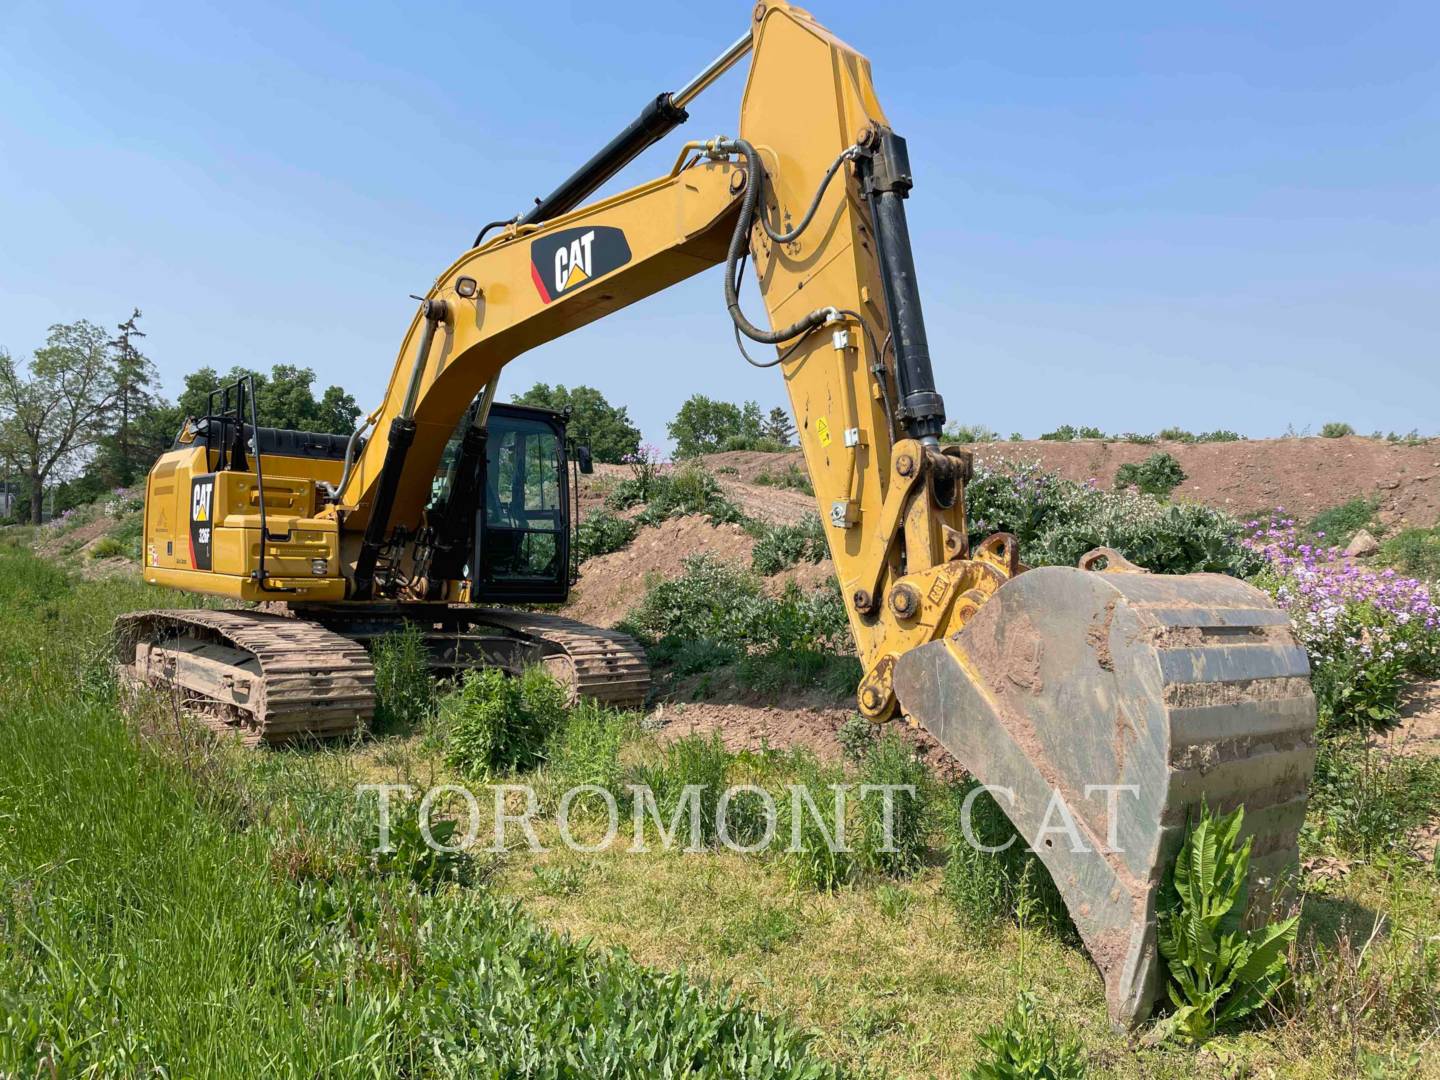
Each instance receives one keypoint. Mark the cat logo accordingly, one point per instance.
(570, 258)
(200, 496)
(202, 509)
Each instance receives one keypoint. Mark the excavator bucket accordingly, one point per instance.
(1102, 709)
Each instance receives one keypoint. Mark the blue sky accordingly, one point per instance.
(1129, 214)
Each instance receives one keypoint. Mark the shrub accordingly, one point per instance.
(1336, 430)
(1175, 434)
(688, 490)
(1218, 971)
(1057, 520)
(856, 736)
(1415, 552)
(404, 691)
(1025, 1046)
(1158, 474)
(497, 724)
(891, 761)
(717, 603)
(1220, 435)
(107, 547)
(1339, 523)
(1137, 437)
(778, 547)
(602, 532)
(1069, 433)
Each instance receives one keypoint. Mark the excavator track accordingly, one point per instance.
(268, 678)
(289, 675)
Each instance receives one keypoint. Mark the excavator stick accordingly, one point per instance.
(1101, 709)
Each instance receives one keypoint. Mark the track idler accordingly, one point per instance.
(1102, 708)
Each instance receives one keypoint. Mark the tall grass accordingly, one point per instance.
(172, 908)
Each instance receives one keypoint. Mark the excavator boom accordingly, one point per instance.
(1102, 707)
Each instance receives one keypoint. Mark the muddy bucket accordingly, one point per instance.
(1101, 709)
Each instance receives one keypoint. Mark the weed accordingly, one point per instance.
(586, 748)
(1366, 805)
(1415, 552)
(687, 785)
(495, 724)
(990, 880)
(793, 477)
(856, 735)
(602, 532)
(1339, 523)
(762, 930)
(1219, 972)
(107, 547)
(778, 547)
(404, 690)
(412, 858)
(1158, 474)
(692, 657)
(1139, 438)
(893, 901)
(956, 432)
(891, 763)
(559, 881)
(685, 491)
(1025, 1046)
(822, 859)
(1336, 430)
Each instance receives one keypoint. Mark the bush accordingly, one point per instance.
(1339, 523)
(1069, 433)
(1025, 1046)
(1220, 435)
(1175, 434)
(1057, 520)
(778, 547)
(602, 532)
(497, 724)
(1415, 552)
(892, 762)
(687, 490)
(107, 547)
(1219, 972)
(1336, 430)
(856, 735)
(404, 690)
(1158, 474)
(717, 603)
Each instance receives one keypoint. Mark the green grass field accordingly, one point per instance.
(169, 906)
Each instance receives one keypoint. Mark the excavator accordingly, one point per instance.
(1100, 704)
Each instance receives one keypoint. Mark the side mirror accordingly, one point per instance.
(587, 463)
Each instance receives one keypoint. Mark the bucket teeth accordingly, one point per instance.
(1080, 692)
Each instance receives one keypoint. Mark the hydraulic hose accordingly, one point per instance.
(740, 245)
(785, 238)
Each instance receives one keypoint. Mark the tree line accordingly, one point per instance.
(84, 415)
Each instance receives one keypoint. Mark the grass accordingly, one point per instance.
(1339, 524)
(1414, 552)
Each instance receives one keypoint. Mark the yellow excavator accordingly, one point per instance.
(1101, 703)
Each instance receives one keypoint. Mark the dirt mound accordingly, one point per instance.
(610, 585)
(1303, 475)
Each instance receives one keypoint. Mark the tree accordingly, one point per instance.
(706, 426)
(283, 399)
(125, 453)
(55, 411)
(607, 430)
(779, 427)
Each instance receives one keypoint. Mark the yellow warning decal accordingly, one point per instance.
(822, 429)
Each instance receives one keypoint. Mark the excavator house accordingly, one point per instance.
(1131, 696)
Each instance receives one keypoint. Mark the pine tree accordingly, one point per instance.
(125, 454)
(779, 427)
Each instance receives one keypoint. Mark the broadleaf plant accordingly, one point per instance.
(1219, 971)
